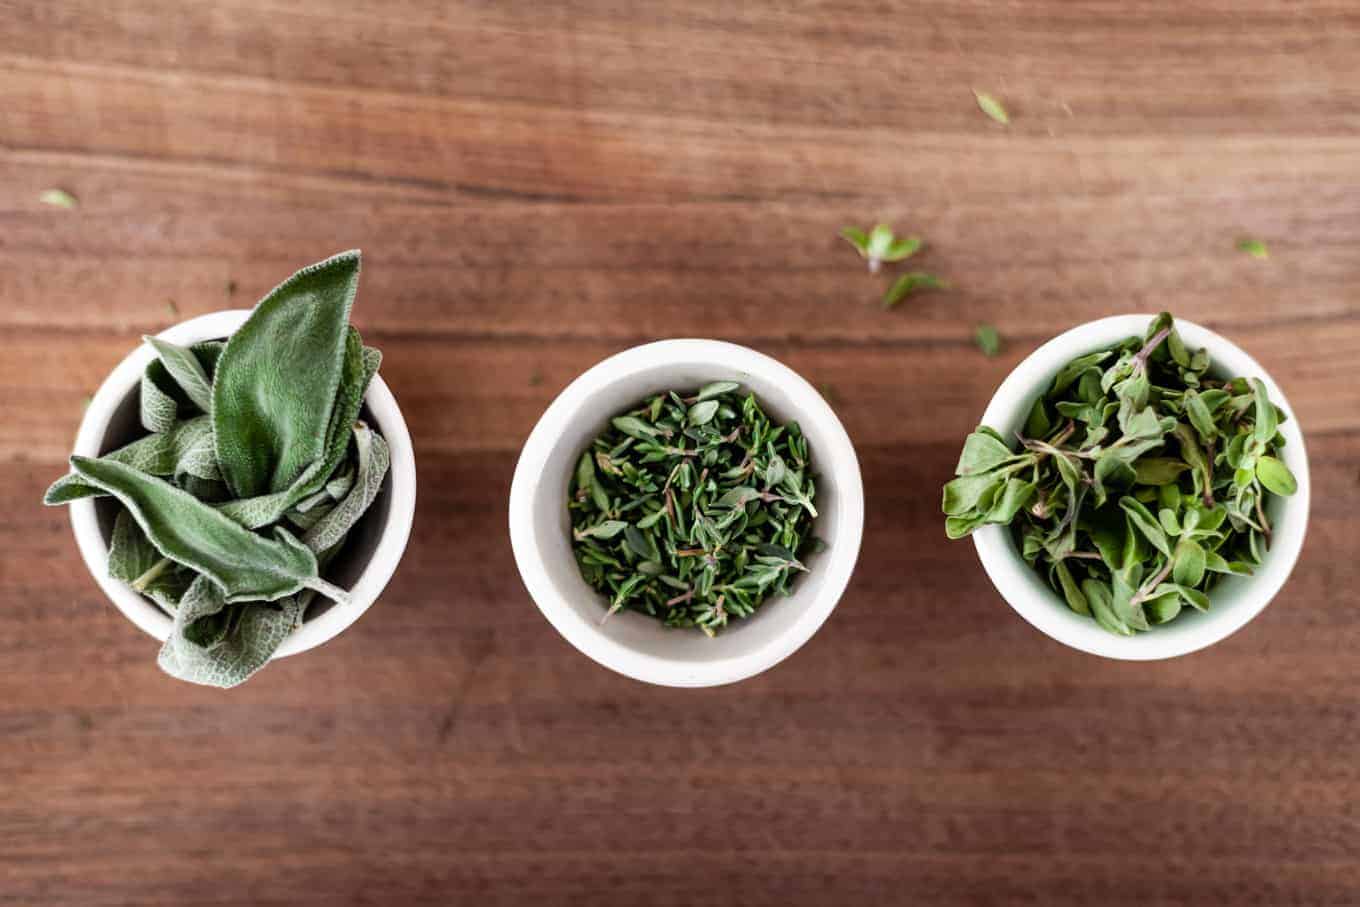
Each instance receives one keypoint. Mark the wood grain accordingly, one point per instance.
(536, 186)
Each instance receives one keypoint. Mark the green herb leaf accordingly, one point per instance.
(184, 367)
(1275, 476)
(200, 648)
(1188, 454)
(244, 565)
(275, 386)
(992, 107)
(693, 509)
(1253, 247)
(58, 198)
(988, 339)
(909, 283)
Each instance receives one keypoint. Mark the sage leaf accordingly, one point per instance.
(276, 380)
(163, 454)
(130, 554)
(373, 460)
(186, 370)
(234, 653)
(246, 566)
(257, 512)
(159, 408)
(135, 561)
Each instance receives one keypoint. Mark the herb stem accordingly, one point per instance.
(152, 574)
(1153, 583)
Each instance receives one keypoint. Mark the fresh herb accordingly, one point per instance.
(1139, 480)
(988, 339)
(171, 308)
(1253, 247)
(992, 107)
(254, 469)
(693, 508)
(880, 245)
(231, 288)
(58, 198)
(909, 283)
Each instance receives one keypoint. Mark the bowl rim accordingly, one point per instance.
(387, 553)
(834, 450)
(1048, 613)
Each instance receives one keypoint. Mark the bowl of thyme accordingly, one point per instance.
(687, 512)
(1138, 488)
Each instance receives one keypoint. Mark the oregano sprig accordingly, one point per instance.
(879, 245)
(1138, 480)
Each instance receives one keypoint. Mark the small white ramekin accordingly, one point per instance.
(373, 552)
(637, 645)
(1235, 600)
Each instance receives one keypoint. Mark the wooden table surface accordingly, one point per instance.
(536, 186)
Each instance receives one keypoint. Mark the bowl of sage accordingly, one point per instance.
(242, 485)
(1138, 488)
(687, 512)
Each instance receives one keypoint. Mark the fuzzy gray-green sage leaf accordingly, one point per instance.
(255, 468)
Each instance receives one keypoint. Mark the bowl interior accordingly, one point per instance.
(838, 524)
(1235, 600)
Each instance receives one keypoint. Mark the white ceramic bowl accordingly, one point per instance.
(1236, 600)
(635, 644)
(375, 546)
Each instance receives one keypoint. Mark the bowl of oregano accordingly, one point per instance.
(243, 485)
(1137, 488)
(687, 512)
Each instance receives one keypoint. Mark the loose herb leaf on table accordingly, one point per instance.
(255, 470)
(693, 508)
(1138, 481)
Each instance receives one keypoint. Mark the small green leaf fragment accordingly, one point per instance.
(909, 283)
(992, 107)
(58, 198)
(1253, 247)
(988, 339)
